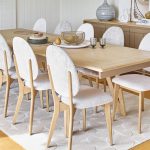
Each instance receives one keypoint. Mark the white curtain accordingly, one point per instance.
(7, 14)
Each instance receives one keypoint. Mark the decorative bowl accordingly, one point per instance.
(73, 37)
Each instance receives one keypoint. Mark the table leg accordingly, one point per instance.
(121, 108)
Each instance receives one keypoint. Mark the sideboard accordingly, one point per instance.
(133, 33)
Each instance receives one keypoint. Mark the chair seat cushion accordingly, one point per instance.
(89, 97)
(41, 83)
(12, 73)
(133, 81)
(87, 72)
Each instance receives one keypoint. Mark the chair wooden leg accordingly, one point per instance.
(33, 93)
(97, 83)
(115, 100)
(47, 101)
(90, 81)
(28, 96)
(143, 104)
(122, 103)
(84, 119)
(105, 85)
(141, 97)
(1, 79)
(109, 121)
(66, 121)
(8, 83)
(41, 99)
(96, 109)
(20, 98)
(53, 125)
(70, 129)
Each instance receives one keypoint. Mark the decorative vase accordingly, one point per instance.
(105, 12)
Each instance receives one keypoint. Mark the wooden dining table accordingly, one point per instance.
(108, 62)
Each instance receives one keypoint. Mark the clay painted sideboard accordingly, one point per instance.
(133, 33)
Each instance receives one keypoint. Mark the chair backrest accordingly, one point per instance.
(24, 53)
(4, 47)
(60, 64)
(88, 29)
(40, 25)
(145, 43)
(63, 26)
(114, 35)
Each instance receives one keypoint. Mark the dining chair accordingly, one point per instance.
(29, 78)
(136, 83)
(69, 95)
(145, 45)
(62, 27)
(88, 29)
(114, 35)
(7, 70)
(40, 25)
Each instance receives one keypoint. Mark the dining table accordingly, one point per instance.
(110, 61)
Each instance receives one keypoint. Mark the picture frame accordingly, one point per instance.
(138, 9)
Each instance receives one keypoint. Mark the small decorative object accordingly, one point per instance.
(147, 15)
(105, 12)
(37, 38)
(102, 42)
(57, 41)
(93, 42)
(124, 16)
(73, 37)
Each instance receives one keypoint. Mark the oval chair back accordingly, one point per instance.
(114, 35)
(145, 43)
(60, 64)
(24, 54)
(5, 48)
(40, 25)
(62, 27)
(88, 29)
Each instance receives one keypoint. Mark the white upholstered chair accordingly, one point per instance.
(65, 83)
(88, 29)
(29, 78)
(7, 69)
(114, 35)
(63, 26)
(40, 25)
(145, 45)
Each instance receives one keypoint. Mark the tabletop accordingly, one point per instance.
(110, 61)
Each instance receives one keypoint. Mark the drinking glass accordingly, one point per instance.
(93, 42)
(102, 42)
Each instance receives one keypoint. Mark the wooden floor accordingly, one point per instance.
(7, 143)
(143, 146)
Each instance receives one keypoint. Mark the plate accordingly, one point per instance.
(82, 45)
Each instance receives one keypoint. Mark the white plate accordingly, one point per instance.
(82, 45)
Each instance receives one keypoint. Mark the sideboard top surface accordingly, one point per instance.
(116, 22)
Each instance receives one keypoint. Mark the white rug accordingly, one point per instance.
(125, 133)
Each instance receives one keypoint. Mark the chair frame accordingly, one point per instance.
(6, 78)
(69, 112)
(24, 90)
(119, 88)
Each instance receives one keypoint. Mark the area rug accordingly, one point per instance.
(7, 143)
(143, 146)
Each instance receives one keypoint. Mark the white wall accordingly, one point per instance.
(75, 11)
(30, 10)
(7, 14)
